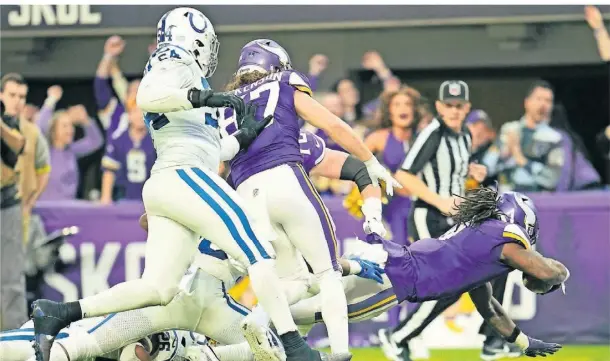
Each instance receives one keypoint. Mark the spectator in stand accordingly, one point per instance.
(112, 109)
(577, 172)
(65, 151)
(399, 118)
(372, 60)
(426, 114)
(532, 155)
(484, 148)
(350, 97)
(25, 171)
(596, 23)
(603, 144)
(317, 64)
(128, 160)
(30, 112)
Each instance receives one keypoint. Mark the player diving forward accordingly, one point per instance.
(270, 175)
(184, 197)
(494, 236)
(202, 305)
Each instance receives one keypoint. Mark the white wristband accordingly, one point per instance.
(354, 267)
(522, 341)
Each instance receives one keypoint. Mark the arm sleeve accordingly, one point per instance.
(102, 92)
(45, 117)
(92, 140)
(423, 149)
(300, 82)
(165, 88)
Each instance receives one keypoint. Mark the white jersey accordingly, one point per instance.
(186, 138)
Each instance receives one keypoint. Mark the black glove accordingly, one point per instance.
(540, 348)
(249, 127)
(208, 98)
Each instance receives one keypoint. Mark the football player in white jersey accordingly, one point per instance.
(184, 197)
(173, 345)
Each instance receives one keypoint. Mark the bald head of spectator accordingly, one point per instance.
(13, 91)
(538, 103)
(332, 102)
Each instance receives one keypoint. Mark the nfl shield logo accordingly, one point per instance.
(455, 89)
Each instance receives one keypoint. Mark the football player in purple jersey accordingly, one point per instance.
(270, 174)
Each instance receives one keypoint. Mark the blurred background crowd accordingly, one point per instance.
(86, 139)
(545, 149)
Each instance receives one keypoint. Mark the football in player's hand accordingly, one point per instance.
(535, 285)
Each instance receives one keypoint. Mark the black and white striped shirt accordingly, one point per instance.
(440, 157)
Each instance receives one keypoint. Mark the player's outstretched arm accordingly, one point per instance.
(493, 313)
(534, 264)
(169, 87)
(317, 115)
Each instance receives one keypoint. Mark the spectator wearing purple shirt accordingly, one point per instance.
(111, 108)
(129, 157)
(65, 151)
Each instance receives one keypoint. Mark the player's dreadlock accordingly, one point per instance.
(478, 205)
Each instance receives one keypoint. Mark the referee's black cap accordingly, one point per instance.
(454, 90)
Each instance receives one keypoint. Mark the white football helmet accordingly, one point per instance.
(190, 29)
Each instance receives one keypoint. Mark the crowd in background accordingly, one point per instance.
(539, 152)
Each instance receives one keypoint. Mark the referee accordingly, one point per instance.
(434, 170)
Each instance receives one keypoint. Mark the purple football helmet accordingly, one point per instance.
(520, 209)
(263, 55)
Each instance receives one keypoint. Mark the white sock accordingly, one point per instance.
(334, 311)
(268, 290)
(238, 352)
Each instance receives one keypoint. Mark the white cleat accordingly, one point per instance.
(389, 348)
(262, 343)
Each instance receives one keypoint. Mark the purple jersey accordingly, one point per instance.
(313, 149)
(131, 162)
(460, 260)
(279, 142)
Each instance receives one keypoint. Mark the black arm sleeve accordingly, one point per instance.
(423, 149)
(354, 170)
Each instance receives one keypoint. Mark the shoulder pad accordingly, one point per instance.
(516, 233)
(169, 53)
(297, 80)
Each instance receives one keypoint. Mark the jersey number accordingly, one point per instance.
(271, 90)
